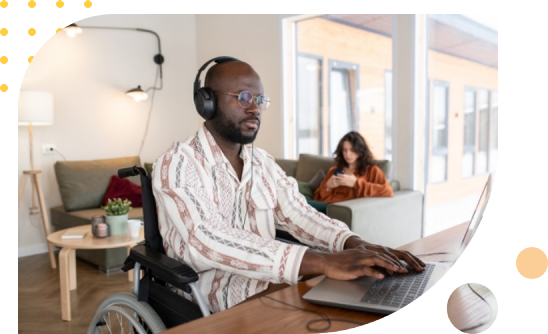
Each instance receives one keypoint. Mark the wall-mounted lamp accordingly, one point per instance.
(137, 94)
(72, 30)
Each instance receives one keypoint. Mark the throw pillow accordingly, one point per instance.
(124, 188)
(317, 179)
(306, 190)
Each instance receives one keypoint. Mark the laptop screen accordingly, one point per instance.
(478, 214)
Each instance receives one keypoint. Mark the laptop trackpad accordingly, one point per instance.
(331, 291)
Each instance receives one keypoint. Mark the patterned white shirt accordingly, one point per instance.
(224, 228)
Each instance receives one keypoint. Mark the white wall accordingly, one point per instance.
(88, 76)
(257, 40)
(94, 119)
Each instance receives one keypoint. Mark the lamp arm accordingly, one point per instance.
(158, 59)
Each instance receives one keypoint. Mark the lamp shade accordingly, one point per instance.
(72, 30)
(35, 107)
(137, 94)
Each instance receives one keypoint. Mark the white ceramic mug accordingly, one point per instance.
(134, 227)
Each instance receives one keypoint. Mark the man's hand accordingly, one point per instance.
(348, 264)
(396, 255)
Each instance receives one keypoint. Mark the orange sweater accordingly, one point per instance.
(372, 184)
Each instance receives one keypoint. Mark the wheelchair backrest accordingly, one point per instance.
(153, 239)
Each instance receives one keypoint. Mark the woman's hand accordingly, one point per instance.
(332, 182)
(347, 180)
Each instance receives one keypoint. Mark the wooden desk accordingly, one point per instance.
(263, 315)
(67, 258)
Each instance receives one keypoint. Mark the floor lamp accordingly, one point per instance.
(36, 109)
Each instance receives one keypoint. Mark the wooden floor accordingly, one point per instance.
(40, 298)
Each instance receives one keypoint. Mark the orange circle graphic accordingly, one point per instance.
(532, 263)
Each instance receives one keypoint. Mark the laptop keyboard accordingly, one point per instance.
(398, 290)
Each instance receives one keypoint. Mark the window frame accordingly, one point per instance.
(321, 104)
(334, 64)
(437, 151)
(465, 148)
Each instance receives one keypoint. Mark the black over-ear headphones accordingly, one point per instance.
(204, 99)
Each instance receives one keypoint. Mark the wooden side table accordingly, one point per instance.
(67, 257)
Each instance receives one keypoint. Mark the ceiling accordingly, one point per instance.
(455, 35)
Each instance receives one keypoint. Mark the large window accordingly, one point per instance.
(480, 126)
(309, 104)
(441, 135)
(342, 64)
(462, 63)
(438, 166)
(343, 80)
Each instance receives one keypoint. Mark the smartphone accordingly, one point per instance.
(338, 171)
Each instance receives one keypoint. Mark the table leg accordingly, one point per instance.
(65, 277)
(72, 269)
(129, 272)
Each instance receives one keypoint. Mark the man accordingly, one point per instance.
(220, 200)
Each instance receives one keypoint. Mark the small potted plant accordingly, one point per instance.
(116, 212)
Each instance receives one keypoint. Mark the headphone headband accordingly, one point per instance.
(217, 60)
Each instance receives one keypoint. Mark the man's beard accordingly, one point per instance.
(231, 131)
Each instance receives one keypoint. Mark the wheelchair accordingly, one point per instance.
(152, 306)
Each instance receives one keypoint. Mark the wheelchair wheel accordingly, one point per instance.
(123, 313)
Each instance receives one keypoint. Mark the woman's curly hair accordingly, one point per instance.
(359, 145)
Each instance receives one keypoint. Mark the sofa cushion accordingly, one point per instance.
(317, 179)
(83, 184)
(386, 167)
(306, 190)
(308, 165)
(289, 166)
(148, 168)
(124, 189)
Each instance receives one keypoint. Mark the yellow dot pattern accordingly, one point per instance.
(58, 29)
(3, 31)
(32, 3)
(32, 31)
(3, 59)
(3, 3)
(31, 58)
(59, 4)
(4, 88)
(87, 3)
(532, 263)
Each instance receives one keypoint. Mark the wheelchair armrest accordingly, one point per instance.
(164, 267)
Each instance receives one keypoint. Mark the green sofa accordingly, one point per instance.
(82, 185)
(389, 221)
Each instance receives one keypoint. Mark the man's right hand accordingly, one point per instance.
(348, 264)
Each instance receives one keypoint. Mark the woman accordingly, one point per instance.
(354, 175)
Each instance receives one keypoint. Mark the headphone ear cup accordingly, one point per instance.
(204, 100)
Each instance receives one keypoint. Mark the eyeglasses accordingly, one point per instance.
(245, 98)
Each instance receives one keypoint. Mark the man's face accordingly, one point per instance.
(231, 121)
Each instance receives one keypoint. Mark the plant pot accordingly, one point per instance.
(117, 225)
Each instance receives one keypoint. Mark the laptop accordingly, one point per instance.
(390, 294)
